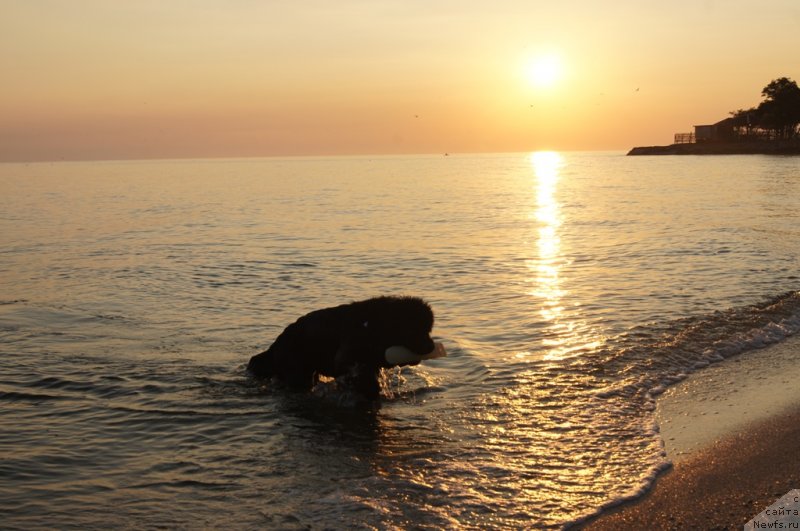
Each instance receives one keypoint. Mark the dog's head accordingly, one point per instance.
(399, 321)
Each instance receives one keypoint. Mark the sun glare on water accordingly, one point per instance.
(544, 71)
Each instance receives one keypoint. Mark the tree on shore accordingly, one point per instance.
(747, 120)
(778, 114)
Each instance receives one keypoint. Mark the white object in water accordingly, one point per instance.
(400, 355)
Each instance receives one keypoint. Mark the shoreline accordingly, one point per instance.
(732, 432)
(778, 147)
(725, 397)
(722, 486)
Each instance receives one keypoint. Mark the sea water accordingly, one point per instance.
(569, 290)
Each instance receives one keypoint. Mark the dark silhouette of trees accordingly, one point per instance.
(777, 117)
(781, 108)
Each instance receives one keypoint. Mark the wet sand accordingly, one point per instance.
(722, 486)
(732, 432)
(724, 398)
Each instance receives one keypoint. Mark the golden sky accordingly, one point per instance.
(106, 79)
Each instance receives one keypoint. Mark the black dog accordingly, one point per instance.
(350, 339)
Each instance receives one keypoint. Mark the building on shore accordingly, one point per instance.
(722, 131)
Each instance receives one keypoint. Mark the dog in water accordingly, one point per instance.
(355, 340)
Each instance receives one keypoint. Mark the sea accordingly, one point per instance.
(570, 289)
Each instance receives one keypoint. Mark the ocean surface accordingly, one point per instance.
(569, 289)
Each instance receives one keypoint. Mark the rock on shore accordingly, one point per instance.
(782, 147)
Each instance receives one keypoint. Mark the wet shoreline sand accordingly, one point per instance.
(732, 432)
(722, 486)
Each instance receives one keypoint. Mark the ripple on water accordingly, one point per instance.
(569, 290)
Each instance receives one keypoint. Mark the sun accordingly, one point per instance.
(544, 71)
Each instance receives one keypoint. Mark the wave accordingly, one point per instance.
(663, 355)
(648, 360)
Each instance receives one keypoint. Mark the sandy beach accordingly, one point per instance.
(722, 486)
(734, 454)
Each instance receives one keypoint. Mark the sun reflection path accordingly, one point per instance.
(569, 336)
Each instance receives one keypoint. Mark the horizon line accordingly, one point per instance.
(300, 156)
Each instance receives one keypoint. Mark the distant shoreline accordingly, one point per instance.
(785, 147)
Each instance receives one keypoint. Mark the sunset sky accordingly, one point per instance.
(106, 79)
